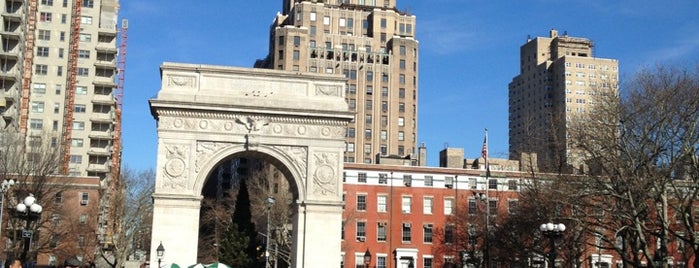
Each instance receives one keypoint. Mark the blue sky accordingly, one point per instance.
(469, 52)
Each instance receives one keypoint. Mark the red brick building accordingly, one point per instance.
(397, 212)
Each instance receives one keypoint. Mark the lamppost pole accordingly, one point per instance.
(4, 187)
(29, 211)
(552, 231)
(269, 201)
(486, 234)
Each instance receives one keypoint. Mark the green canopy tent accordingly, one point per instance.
(211, 265)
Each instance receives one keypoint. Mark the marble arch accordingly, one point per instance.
(207, 113)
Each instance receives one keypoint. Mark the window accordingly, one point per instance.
(350, 147)
(84, 37)
(448, 206)
(86, 20)
(449, 233)
(406, 204)
(60, 53)
(383, 178)
(493, 206)
(37, 106)
(383, 23)
(369, 76)
(296, 55)
(493, 184)
(512, 206)
(427, 233)
(427, 205)
(56, 109)
(401, 121)
(406, 237)
(361, 202)
(427, 262)
(381, 203)
(83, 54)
(36, 124)
(512, 185)
(407, 180)
(59, 70)
(83, 218)
(42, 51)
(62, 36)
(84, 197)
(89, 3)
(78, 125)
(81, 90)
(44, 35)
(47, 2)
(76, 159)
(402, 64)
(367, 134)
(472, 183)
(77, 142)
(361, 177)
(326, 20)
(401, 79)
(80, 108)
(380, 261)
(401, 135)
(367, 148)
(449, 181)
(384, 135)
(83, 71)
(58, 198)
(313, 16)
(39, 88)
(41, 69)
(45, 16)
(361, 229)
(381, 231)
(64, 18)
(428, 180)
(401, 107)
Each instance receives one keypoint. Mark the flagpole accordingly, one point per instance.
(487, 201)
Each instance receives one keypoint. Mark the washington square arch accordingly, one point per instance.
(207, 114)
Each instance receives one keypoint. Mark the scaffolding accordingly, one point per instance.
(27, 66)
(70, 85)
(118, 96)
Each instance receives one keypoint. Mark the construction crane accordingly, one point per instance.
(27, 67)
(70, 85)
(118, 96)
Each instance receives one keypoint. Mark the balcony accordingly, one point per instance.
(101, 117)
(100, 151)
(102, 168)
(102, 135)
(107, 30)
(105, 64)
(106, 47)
(10, 74)
(103, 99)
(104, 81)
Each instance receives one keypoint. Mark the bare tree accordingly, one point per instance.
(641, 147)
(132, 210)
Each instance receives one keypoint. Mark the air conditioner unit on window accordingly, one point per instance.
(361, 238)
(407, 225)
(449, 185)
(83, 202)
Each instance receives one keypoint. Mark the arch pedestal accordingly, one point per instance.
(207, 114)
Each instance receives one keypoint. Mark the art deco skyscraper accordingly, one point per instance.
(370, 42)
(558, 81)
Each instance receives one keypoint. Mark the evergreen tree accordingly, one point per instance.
(239, 244)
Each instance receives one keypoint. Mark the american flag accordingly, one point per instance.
(484, 151)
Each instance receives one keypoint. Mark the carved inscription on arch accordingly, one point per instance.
(175, 168)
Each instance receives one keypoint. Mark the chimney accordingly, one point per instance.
(553, 33)
(422, 155)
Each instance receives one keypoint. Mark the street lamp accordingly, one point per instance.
(160, 251)
(552, 231)
(28, 211)
(4, 187)
(367, 258)
(269, 202)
